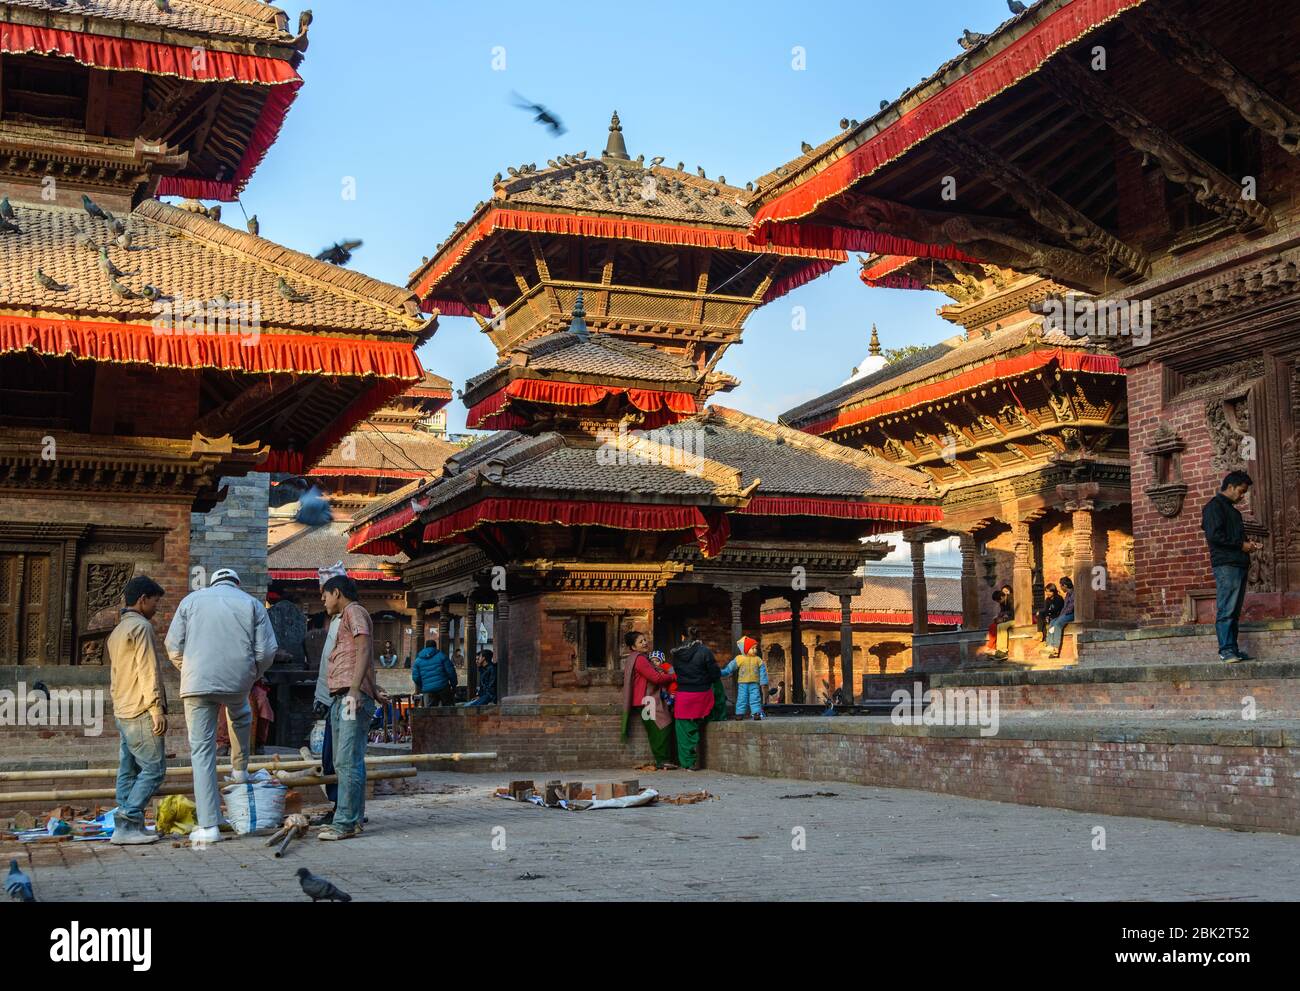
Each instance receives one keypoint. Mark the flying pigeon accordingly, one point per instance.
(6, 209)
(254, 227)
(18, 884)
(543, 116)
(106, 265)
(340, 253)
(289, 292)
(93, 208)
(317, 888)
(1016, 6)
(49, 283)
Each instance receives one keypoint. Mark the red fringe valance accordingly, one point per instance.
(1001, 71)
(879, 618)
(154, 57)
(366, 539)
(311, 354)
(894, 282)
(296, 575)
(283, 462)
(882, 275)
(711, 529)
(338, 470)
(1068, 361)
(843, 509)
(617, 228)
(265, 132)
(826, 236)
(801, 277)
(491, 413)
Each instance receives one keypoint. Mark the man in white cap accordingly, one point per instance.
(221, 641)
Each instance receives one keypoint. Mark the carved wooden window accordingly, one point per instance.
(25, 597)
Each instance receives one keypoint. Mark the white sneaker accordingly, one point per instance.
(201, 837)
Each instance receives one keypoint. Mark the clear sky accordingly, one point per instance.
(403, 97)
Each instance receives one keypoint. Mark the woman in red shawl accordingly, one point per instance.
(641, 684)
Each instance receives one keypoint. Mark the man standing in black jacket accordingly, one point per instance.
(1230, 558)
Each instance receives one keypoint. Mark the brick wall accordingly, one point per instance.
(535, 738)
(1246, 784)
(233, 534)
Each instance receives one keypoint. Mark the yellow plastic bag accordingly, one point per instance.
(177, 814)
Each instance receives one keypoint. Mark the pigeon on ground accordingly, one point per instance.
(120, 290)
(163, 6)
(84, 240)
(124, 241)
(254, 227)
(7, 228)
(18, 884)
(6, 209)
(318, 889)
(1016, 7)
(116, 225)
(214, 213)
(151, 293)
(289, 292)
(93, 208)
(969, 39)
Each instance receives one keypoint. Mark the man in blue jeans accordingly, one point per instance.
(350, 679)
(139, 708)
(1230, 558)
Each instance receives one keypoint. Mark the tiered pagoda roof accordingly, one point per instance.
(248, 313)
(188, 124)
(662, 255)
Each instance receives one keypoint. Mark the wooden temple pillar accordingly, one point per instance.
(1022, 572)
(920, 596)
(471, 645)
(444, 627)
(1084, 561)
(794, 675)
(846, 645)
(970, 593)
(417, 628)
(501, 640)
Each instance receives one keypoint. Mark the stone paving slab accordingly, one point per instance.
(864, 843)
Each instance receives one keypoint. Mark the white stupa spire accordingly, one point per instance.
(872, 363)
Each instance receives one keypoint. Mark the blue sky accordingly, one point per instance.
(402, 96)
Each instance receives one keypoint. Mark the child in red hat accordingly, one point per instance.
(751, 678)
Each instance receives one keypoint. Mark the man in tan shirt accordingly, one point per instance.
(140, 709)
(350, 679)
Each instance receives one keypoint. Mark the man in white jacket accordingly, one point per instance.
(221, 641)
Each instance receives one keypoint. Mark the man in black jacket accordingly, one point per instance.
(1230, 558)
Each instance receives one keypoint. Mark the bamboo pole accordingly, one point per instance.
(185, 771)
(80, 794)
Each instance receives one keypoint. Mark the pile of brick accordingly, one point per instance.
(553, 792)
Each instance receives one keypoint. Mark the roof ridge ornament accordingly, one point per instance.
(874, 350)
(615, 146)
(579, 325)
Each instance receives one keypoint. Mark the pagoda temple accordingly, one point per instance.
(1139, 153)
(148, 351)
(611, 497)
(1024, 433)
(395, 448)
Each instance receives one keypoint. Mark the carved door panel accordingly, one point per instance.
(25, 603)
(10, 622)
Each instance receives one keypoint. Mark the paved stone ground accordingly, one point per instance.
(864, 843)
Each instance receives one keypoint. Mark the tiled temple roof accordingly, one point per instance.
(249, 20)
(321, 546)
(189, 258)
(406, 451)
(937, 362)
(882, 593)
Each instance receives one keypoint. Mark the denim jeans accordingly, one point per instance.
(201, 719)
(327, 760)
(1056, 630)
(141, 765)
(350, 736)
(1230, 595)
